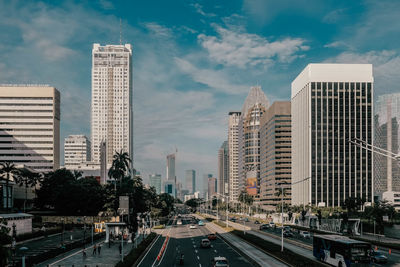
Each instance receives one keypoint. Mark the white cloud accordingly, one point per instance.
(199, 9)
(240, 49)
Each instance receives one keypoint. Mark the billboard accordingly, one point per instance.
(251, 186)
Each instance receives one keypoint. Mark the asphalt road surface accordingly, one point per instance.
(187, 241)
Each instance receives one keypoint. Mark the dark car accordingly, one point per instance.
(264, 226)
(212, 236)
(287, 234)
(256, 222)
(205, 243)
(233, 219)
(378, 257)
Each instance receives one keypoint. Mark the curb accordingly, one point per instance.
(145, 251)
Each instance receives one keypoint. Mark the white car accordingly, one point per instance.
(305, 234)
(179, 222)
(193, 226)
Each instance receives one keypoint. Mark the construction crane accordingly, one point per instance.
(374, 149)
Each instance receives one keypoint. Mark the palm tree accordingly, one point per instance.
(29, 179)
(281, 193)
(120, 166)
(7, 169)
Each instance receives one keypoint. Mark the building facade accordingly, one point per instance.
(190, 177)
(212, 187)
(233, 150)
(77, 149)
(30, 126)
(332, 104)
(112, 92)
(275, 154)
(155, 181)
(205, 184)
(254, 107)
(223, 169)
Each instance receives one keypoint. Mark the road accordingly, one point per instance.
(393, 258)
(187, 241)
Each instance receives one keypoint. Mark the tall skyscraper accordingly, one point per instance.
(171, 175)
(233, 149)
(112, 90)
(76, 150)
(30, 126)
(205, 184)
(332, 104)
(190, 177)
(249, 141)
(223, 169)
(275, 154)
(212, 187)
(387, 119)
(155, 181)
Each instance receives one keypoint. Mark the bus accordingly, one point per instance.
(341, 251)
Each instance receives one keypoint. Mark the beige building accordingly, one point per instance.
(30, 126)
(233, 157)
(223, 168)
(76, 150)
(275, 154)
(254, 107)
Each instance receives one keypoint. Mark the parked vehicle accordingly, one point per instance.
(287, 234)
(179, 222)
(205, 243)
(271, 224)
(219, 262)
(305, 234)
(192, 226)
(378, 257)
(264, 226)
(286, 228)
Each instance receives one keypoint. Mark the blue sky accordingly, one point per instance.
(194, 61)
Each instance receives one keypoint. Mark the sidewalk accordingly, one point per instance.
(254, 254)
(108, 256)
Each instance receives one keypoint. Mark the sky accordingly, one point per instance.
(193, 61)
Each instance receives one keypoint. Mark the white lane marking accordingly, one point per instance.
(199, 264)
(194, 246)
(215, 251)
(165, 246)
(198, 257)
(212, 246)
(196, 250)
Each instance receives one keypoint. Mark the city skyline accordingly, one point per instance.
(194, 118)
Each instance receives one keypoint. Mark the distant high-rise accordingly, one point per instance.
(387, 119)
(76, 150)
(205, 184)
(275, 154)
(223, 169)
(112, 91)
(155, 181)
(190, 176)
(212, 187)
(332, 104)
(233, 149)
(249, 141)
(171, 175)
(30, 126)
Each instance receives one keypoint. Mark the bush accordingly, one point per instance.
(135, 253)
(161, 226)
(287, 255)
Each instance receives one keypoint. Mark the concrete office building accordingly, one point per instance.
(190, 177)
(112, 91)
(275, 154)
(212, 187)
(205, 184)
(233, 157)
(30, 126)
(254, 107)
(223, 169)
(155, 181)
(77, 149)
(331, 104)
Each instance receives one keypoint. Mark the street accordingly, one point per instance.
(187, 241)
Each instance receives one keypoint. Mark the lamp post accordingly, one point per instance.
(23, 249)
(14, 242)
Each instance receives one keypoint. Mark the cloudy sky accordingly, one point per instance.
(194, 61)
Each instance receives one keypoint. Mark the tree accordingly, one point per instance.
(120, 166)
(5, 239)
(319, 217)
(193, 203)
(7, 169)
(27, 178)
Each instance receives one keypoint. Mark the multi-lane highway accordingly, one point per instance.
(186, 241)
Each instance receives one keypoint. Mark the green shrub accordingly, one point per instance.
(135, 253)
(161, 226)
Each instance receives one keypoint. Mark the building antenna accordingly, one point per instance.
(120, 31)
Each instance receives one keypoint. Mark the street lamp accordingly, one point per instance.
(23, 250)
(14, 242)
(227, 208)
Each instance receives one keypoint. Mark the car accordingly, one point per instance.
(205, 243)
(264, 226)
(219, 262)
(286, 228)
(246, 219)
(256, 222)
(377, 257)
(179, 222)
(271, 224)
(201, 223)
(287, 234)
(212, 236)
(305, 234)
(232, 219)
(192, 226)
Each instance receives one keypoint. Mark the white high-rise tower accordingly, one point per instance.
(112, 90)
